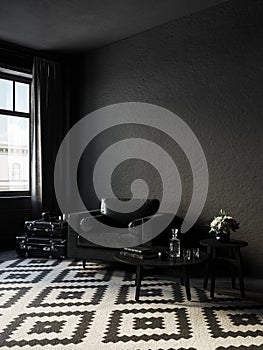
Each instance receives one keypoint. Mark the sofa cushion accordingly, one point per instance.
(139, 208)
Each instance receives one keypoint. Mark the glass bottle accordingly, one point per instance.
(174, 244)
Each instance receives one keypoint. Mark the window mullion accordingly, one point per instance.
(14, 91)
(15, 114)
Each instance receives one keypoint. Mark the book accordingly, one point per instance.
(149, 254)
(138, 255)
(138, 250)
(131, 255)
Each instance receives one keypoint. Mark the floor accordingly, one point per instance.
(253, 285)
(7, 255)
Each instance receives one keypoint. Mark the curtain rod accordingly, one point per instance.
(16, 50)
(26, 53)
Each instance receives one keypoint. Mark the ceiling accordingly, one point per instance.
(69, 25)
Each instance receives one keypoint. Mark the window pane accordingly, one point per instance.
(14, 153)
(21, 97)
(6, 94)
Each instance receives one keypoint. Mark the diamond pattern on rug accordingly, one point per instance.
(148, 322)
(161, 292)
(245, 319)
(47, 329)
(131, 324)
(67, 307)
(78, 263)
(22, 276)
(69, 296)
(34, 263)
(10, 296)
(84, 275)
(234, 321)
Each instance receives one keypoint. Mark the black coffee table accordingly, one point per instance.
(179, 264)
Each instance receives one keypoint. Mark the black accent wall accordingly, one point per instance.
(208, 69)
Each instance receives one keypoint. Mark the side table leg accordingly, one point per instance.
(233, 278)
(138, 282)
(240, 273)
(206, 275)
(233, 272)
(186, 282)
(207, 270)
(213, 274)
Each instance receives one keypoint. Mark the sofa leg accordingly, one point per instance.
(84, 263)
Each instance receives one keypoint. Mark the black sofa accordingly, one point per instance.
(80, 247)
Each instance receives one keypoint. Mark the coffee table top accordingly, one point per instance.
(158, 262)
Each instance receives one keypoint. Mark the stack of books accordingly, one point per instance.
(138, 252)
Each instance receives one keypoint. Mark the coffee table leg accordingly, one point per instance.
(84, 263)
(186, 282)
(138, 282)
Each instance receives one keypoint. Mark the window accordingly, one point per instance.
(16, 172)
(14, 132)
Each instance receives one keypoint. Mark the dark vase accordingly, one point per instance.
(223, 237)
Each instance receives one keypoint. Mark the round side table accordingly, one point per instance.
(233, 259)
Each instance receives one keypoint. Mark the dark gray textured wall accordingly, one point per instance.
(208, 69)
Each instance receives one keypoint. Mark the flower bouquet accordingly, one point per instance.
(222, 225)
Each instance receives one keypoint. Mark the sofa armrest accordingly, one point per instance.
(175, 222)
(163, 237)
(81, 214)
(88, 223)
(141, 220)
(74, 219)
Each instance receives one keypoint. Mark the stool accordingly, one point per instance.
(233, 259)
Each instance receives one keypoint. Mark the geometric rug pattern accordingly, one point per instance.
(53, 304)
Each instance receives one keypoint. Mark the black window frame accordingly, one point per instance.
(21, 77)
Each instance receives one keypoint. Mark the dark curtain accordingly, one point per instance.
(49, 125)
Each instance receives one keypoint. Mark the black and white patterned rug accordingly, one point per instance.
(50, 304)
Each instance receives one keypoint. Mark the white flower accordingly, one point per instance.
(223, 223)
(216, 221)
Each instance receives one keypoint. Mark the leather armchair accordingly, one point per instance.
(81, 245)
